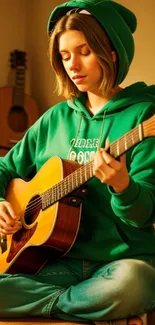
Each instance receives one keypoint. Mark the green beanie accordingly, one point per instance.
(118, 22)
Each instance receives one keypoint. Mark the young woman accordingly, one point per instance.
(108, 275)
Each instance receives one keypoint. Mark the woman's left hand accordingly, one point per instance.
(111, 171)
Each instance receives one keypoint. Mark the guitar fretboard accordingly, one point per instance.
(85, 172)
(19, 88)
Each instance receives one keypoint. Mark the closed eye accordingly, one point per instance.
(85, 52)
(65, 58)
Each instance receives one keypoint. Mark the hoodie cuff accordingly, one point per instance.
(126, 197)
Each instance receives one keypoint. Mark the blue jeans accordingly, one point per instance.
(76, 290)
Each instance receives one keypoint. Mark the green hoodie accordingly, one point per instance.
(113, 226)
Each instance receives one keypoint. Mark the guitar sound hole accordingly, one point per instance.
(32, 210)
(18, 119)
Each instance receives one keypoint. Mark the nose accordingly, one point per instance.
(74, 63)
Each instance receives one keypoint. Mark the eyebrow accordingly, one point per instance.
(77, 47)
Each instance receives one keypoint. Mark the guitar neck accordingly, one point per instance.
(85, 172)
(120, 146)
(18, 59)
(19, 87)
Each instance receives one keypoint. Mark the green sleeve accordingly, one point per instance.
(136, 205)
(19, 161)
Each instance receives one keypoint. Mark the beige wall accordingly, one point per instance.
(143, 66)
(23, 26)
(13, 15)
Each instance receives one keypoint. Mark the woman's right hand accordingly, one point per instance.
(9, 221)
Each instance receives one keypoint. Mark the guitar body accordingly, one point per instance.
(53, 229)
(14, 121)
(18, 110)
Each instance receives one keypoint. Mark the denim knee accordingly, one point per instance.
(129, 283)
(117, 290)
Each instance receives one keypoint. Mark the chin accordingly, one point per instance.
(82, 89)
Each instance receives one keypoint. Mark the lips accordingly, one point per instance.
(78, 77)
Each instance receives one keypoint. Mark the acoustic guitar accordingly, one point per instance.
(18, 110)
(49, 207)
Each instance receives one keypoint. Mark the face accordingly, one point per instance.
(79, 61)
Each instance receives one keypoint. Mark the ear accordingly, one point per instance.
(114, 56)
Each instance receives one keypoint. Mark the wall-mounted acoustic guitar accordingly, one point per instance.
(18, 111)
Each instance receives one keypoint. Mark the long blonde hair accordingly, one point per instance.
(98, 42)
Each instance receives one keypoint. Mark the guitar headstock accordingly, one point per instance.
(18, 59)
(149, 127)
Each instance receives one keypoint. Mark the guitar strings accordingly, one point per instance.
(66, 181)
(57, 192)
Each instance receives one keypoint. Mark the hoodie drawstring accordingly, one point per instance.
(101, 132)
(78, 131)
(76, 136)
